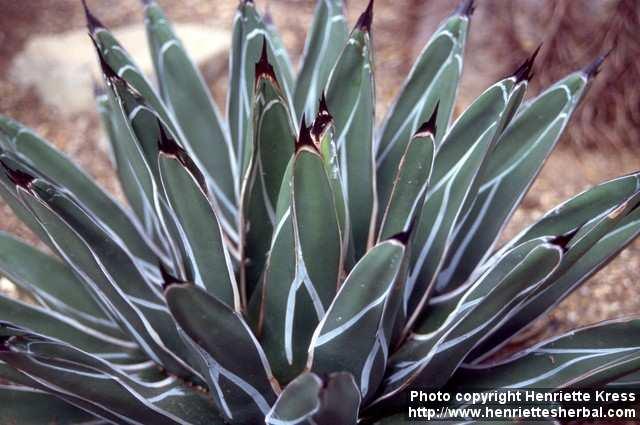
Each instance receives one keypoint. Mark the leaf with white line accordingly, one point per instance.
(78, 376)
(432, 80)
(311, 400)
(512, 167)
(325, 40)
(240, 378)
(273, 147)
(189, 101)
(428, 360)
(457, 168)
(208, 263)
(350, 97)
(586, 358)
(360, 318)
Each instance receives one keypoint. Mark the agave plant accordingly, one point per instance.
(286, 265)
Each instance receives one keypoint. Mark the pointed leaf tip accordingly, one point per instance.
(429, 126)
(167, 278)
(263, 67)
(365, 20)
(404, 236)
(563, 240)
(465, 8)
(593, 69)
(18, 177)
(168, 146)
(525, 71)
(323, 119)
(304, 136)
(93, 22)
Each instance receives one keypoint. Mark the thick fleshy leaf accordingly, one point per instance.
(311, 400)
(239, 376)
(189, 101)
(591, 258)
(273, 147)
(585, 358)
(63, 223)
(59, 326)
(432, 80)
(249, 33)
(458, 165)
(350, 97)
(326, 38)
(25, 406)
(428, 360)
(208, 263)
(51, 283)
(55, 166)
(129, 164)
(317, 230)
(511, 169)
(99, 387)
(360, 318)
(410, 185)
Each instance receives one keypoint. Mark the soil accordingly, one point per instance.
(399, 30)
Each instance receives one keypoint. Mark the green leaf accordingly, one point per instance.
(273, 146)
(325, 40)
(625, 228)
(458, 165)
(350, 96)
(26, 406)
(248, 35)
(55, 166)
(59, 326)
(586, 358)
(428, 360)
(51, 282)
(101, 388)
(317, 230)
(433, 80)
(361, 318)
(240, 379)
(208, 263)
(511, 169)
(310, 399)
(63, 229)
(410, 185)
(188, 98)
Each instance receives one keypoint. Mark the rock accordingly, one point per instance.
(62, 67)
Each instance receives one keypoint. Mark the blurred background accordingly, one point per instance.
(47, 67)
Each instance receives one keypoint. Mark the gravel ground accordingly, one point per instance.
(400, 30)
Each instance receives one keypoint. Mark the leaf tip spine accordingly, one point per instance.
(465, 8)
(263, 67)
(365, 20)
(594, 68)
(525, 71)
(429, 126)
(18, 177)
(93, 23)
(304, 136)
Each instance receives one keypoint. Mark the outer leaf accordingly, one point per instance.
(98, 387)
(273, 147)
(351, 100)
(432, 80)
(58, 326)
(208, 261)
(410, 186)
(361, 318)
(428, 360)
(240, 379)
(327, 36)
(586, 358)
(87, 264)
(52, 164)
(51, 282)
(311, 400)
(457, 166)
(25, 406)
(188, 98)
(511, 169)
(627, 228)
